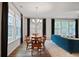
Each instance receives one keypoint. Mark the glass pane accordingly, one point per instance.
(72, 28)
(10, 26)
(57, 27)
(18, 27)
(64, 27)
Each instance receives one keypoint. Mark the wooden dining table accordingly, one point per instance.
(36, 42)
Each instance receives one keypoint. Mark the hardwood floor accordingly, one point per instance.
(22, 52)
(51, 50)
(56, 51)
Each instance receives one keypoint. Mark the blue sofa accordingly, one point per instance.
(67, 44)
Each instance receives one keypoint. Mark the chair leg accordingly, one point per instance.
(43, 47)
(27, 47)
(32, 51)
(39, 51)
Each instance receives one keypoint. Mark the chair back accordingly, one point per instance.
(27, 38)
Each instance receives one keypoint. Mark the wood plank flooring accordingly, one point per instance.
(22, 52)
(51, 50)
(56, 51)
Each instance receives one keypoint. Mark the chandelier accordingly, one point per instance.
(37, 19)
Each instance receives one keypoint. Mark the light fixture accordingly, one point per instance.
(37, 19)
(33, 20)
(40, 20)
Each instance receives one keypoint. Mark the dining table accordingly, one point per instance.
(36, 42)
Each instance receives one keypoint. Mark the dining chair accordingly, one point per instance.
(43, 40)
(36, 44)
(27, 41)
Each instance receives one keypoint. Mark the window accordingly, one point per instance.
(57, 27)
(72, 28)
(14, 26)
(10, 26)
(18, 27)
(65, 27)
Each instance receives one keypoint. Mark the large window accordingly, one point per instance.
(65, 27)
(14, 26)
(10, 26)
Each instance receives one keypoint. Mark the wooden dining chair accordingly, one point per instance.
(43, 40)
(36, 44)
(27, 41)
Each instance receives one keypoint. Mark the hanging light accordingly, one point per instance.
(37, 20)
(33, 20)
(40, 20)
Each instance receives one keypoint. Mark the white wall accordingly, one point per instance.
(0, 25)
(48, 28)
(24, 27)
(13, 45)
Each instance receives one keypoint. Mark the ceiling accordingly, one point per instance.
(48, 9)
